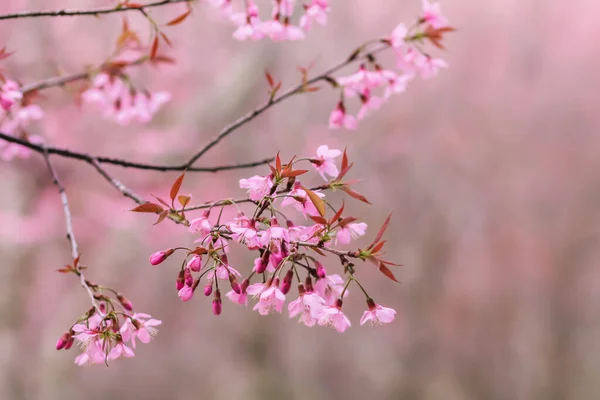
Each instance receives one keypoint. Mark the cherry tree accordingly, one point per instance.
(298, 237)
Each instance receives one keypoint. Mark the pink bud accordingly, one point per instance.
(208, 290)
(285, 287)
(245, 284)
(63, 340)
(160, 256)
(195, 263)
(125, 302)
(217, 307)
(70, 343)
(187, 277)
(186, 293)
(308, 284)
(179, 283)
(320, 270)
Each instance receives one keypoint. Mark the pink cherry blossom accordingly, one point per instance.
(340, 119)
(432, 14)
(93, 353)
(120, 351)
(369, 103)
(309, 305)
(398, 37)
(239, 298)
(160, 256)
(334, 317)
(316, 10)
(10, 93)
(298, 198)
(324, 163)
(139, 326)
(249, 24)
(186, 293)
(258, 186)
(330, 288)
(270, 297)
(351, 231)
(195, 263)
(378, 315)
(201, 225)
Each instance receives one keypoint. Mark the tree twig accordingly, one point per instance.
(69, 223)
(124, 163)
(91, 12)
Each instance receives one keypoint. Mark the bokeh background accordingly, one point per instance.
(492, 171)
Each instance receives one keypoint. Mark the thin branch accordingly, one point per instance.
(91, 12)
(271, 102)
(124, 163)
(352, 254)
(118, 185)
(69, 223)
(51, 82)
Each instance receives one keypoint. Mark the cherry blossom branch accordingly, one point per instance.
(92, 12)
(117, 184)
(55, 81)
(275, 100)
(124, 163)
(70, 232)
(341, 253)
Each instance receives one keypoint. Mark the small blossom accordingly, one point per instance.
(324, 163)
(139, 326)
(377, 315)
(339, 118)
(351, 231)
(432, 14)
(258, 186)
(334, 317)
(270, 297)
(309, 305)
(120, 351)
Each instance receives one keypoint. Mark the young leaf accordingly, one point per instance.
(184, 200)
(154, 48)
(316, 200)
(319, 220)
(382, 230)
(378, 247)
(164, 203)
(161, 217)
(278, 163)
(176, 186)
(355, 194)
(386, 271)
(179, 19)
(337, 215)
(148, 208)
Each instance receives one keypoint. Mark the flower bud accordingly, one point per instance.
(160, 256)
(245, 284)
(371, 303)
(70, 343)
(216, 304)
(264, 262)
(187, 277)
(125, 302)
(320, 270)
(308, 284)
(195, 263)
(179, 283)
(208, 290)
(63, 341)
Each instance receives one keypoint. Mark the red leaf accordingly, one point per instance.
(292, 174)
(184, 200)
(382, 230)
(337, 215)
(154, 48)
(161, 217)
(148, 208)
(278, 163)
(346, 221)
(318, 220)
(378, 247)
(164, 203)
(270, 80)
(316, 200)
(176, 186)
(166, 39)
(133, 5)
(386, 271)
(179, 19)
(344, 160)
(199, 251)
(355, 194)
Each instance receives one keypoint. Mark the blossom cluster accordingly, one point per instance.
(108, 331)
(120, 101)
(373, 85)
(16, 112)
(279, 26)
(284, 252)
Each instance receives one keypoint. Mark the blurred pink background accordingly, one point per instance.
(492, 171)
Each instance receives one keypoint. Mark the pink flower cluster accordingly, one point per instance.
(279, 27)
(282, 250)
(371, 79)
(102, 339)
(15, 116)
(121, 102)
